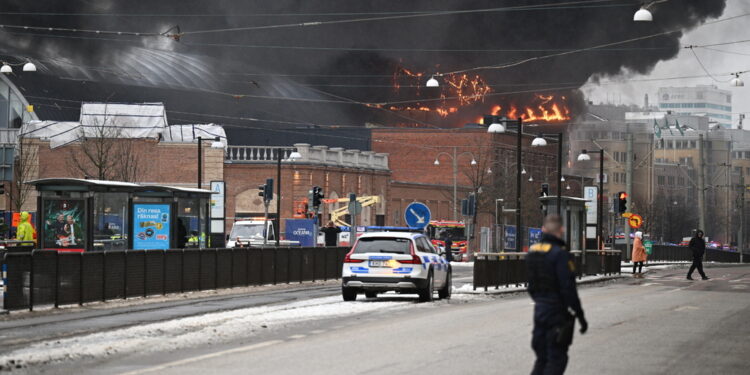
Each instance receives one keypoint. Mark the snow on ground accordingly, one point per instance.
(192, 331)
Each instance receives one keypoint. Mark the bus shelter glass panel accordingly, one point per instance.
(64, 222)
(189, 223)
(152, 226)
(110, 221)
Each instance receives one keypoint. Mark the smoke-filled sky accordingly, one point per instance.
(275, 75)
(717, 60)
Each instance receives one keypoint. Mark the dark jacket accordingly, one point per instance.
(698, 246)
(551, 275)
(331, 235)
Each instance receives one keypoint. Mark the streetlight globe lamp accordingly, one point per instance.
(531, 178)
(538, 142)
(643, 15)
(523, 170)
(473, 162)
(29, 67)
(496, 128)
(737, 81)
(432, 82)
(6, 69)
(437, 162)
(584, 156)
(217, 143)
(295, 155)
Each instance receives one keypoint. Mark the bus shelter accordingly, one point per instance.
(573, 212)
(94, 215)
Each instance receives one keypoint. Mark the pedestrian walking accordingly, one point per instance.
(331, 234)
(448, 245)
(698, 246)
(552, 286)
(639, 255)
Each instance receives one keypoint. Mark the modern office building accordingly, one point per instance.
(701, 100)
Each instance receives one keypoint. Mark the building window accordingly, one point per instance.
(660, 180)
(681, 181)
(670, 180)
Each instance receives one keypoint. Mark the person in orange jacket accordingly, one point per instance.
(639, 254)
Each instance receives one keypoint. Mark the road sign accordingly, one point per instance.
(355, 208)
(590, 195)
(417, 215)
(635, 221)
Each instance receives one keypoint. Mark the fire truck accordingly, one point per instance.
(456, 230)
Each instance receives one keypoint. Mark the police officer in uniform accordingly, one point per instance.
(551, 276)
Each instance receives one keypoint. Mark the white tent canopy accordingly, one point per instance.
(190, 133)
(118, 120)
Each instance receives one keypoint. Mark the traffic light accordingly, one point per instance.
(317, 196)
(545, 190)
(266, 190)
(622, 202)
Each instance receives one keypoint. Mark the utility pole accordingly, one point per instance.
(741, 232)
(628, 190)
(701, 185)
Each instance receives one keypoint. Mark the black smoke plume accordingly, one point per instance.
(195, 74)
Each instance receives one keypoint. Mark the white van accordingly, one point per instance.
(249, 233)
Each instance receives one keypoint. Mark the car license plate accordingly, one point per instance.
(378, 263)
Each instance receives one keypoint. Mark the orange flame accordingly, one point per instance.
(462, 90)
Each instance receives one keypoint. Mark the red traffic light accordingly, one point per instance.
(623, 195)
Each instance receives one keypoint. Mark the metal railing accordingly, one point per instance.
(257, 154)
(506, 269)
(44, 277)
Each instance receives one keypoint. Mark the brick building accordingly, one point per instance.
(424, 163)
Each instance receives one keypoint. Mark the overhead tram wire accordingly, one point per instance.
(204, 15)
(543, 57)
(405, 16)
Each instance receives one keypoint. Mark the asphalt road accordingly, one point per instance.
(22, 329)
(659, 325)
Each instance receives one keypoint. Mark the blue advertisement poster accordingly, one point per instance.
(301, 230)
(151, 226)
(510, 237)
(535, 235)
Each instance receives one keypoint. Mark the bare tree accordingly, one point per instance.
(104, 153)
(25, 168)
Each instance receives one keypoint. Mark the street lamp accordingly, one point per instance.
(6, 69)
(432, 82)
(644, 14)
(294, 155)
(215, 144)
(497, 127)
(539, 141)
(737, 81)
(584, 156)
(454, 159)
(29, 67)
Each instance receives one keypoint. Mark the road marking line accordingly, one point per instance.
(295, 337)
(199, 358)
(317, 331)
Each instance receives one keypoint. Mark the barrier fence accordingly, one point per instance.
(505, 269)
(44, 277)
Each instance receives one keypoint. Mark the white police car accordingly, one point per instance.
(395, 261)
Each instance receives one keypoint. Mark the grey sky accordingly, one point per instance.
(685, 64)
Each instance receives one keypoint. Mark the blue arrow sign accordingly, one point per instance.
(417, 215)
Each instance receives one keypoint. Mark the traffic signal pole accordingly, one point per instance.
(628, 190)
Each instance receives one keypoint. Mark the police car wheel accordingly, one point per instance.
(427, 294)
(371, 294)
(445, 292)
(349, 294)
